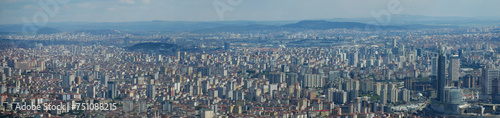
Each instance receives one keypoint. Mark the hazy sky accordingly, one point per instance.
(13, 11)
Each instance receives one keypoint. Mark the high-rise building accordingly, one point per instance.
(408, 83)
(104, 79)
(454, 68)
(213, 93)
(11, 63)
(393, 95)
(468, 81)
(97, 67)
(214, 107)
(411, 58)
(68, 79)
(227, 46)
(340, 96)
(151, 91)
(142, 105)
(272, 88)
(453, 96)
(333, 75)
(207, 114)
(128, 105)
(239, 95)
(495, 85)
(394, 44)
(3, 77)
(276, 78)
(91, 91)
(230, 95)
(205, 71)
(230, 85)
(7, 71)
(434, 66)
(330, 94)
(221, 91)
(377, 88)
(3, 89)
(441, 76)
(489, 74)
(78, 80)
(404, 95)
(163, 70)
(111, 89)
(247, 83)
(285, 68)
(353, 58)
(352, 94)
(96, 75)
(384, 96)
(292, 78)
(496, 90)
(311, 80)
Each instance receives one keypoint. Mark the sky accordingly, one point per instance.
(42, 11)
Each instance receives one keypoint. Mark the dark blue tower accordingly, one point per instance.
(441, 76)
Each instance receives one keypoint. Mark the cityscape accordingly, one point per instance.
(415, 66)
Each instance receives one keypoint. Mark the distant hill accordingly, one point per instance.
(324, 25)
(254, 27)
(398, 21)
(5, 33)
(142, 26)
(47, 30)
(152, 46)
(302, 25)
(99, 32)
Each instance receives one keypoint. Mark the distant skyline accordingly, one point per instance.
(13, 11)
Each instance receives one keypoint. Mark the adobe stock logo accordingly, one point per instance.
(383, 17)
(393, 7)
(221, 7)
(41, 18)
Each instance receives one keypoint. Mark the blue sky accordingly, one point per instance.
(13, 11)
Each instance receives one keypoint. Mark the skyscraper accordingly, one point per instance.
(97, 67)
(91, 91)
(151, 91)
(393, 95)
(111, 89)
(441, 76)
(167, 106)
(7, 71)
(227, 46)
(405, 95)
(489, 74)
(468, 81)
(285, 68)
(434, 66)
(163, 70)
(384, 96)
(68, 79)
(104, 79)
(311, 80)
(230, 85)
(292, 78)
(142, 105)
(495, 86)
(353, 59)
(394, 43)
(333, 75)
(276, 78)
(454, 68)
(408, 83)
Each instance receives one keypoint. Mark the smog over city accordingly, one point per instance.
(249, 58)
